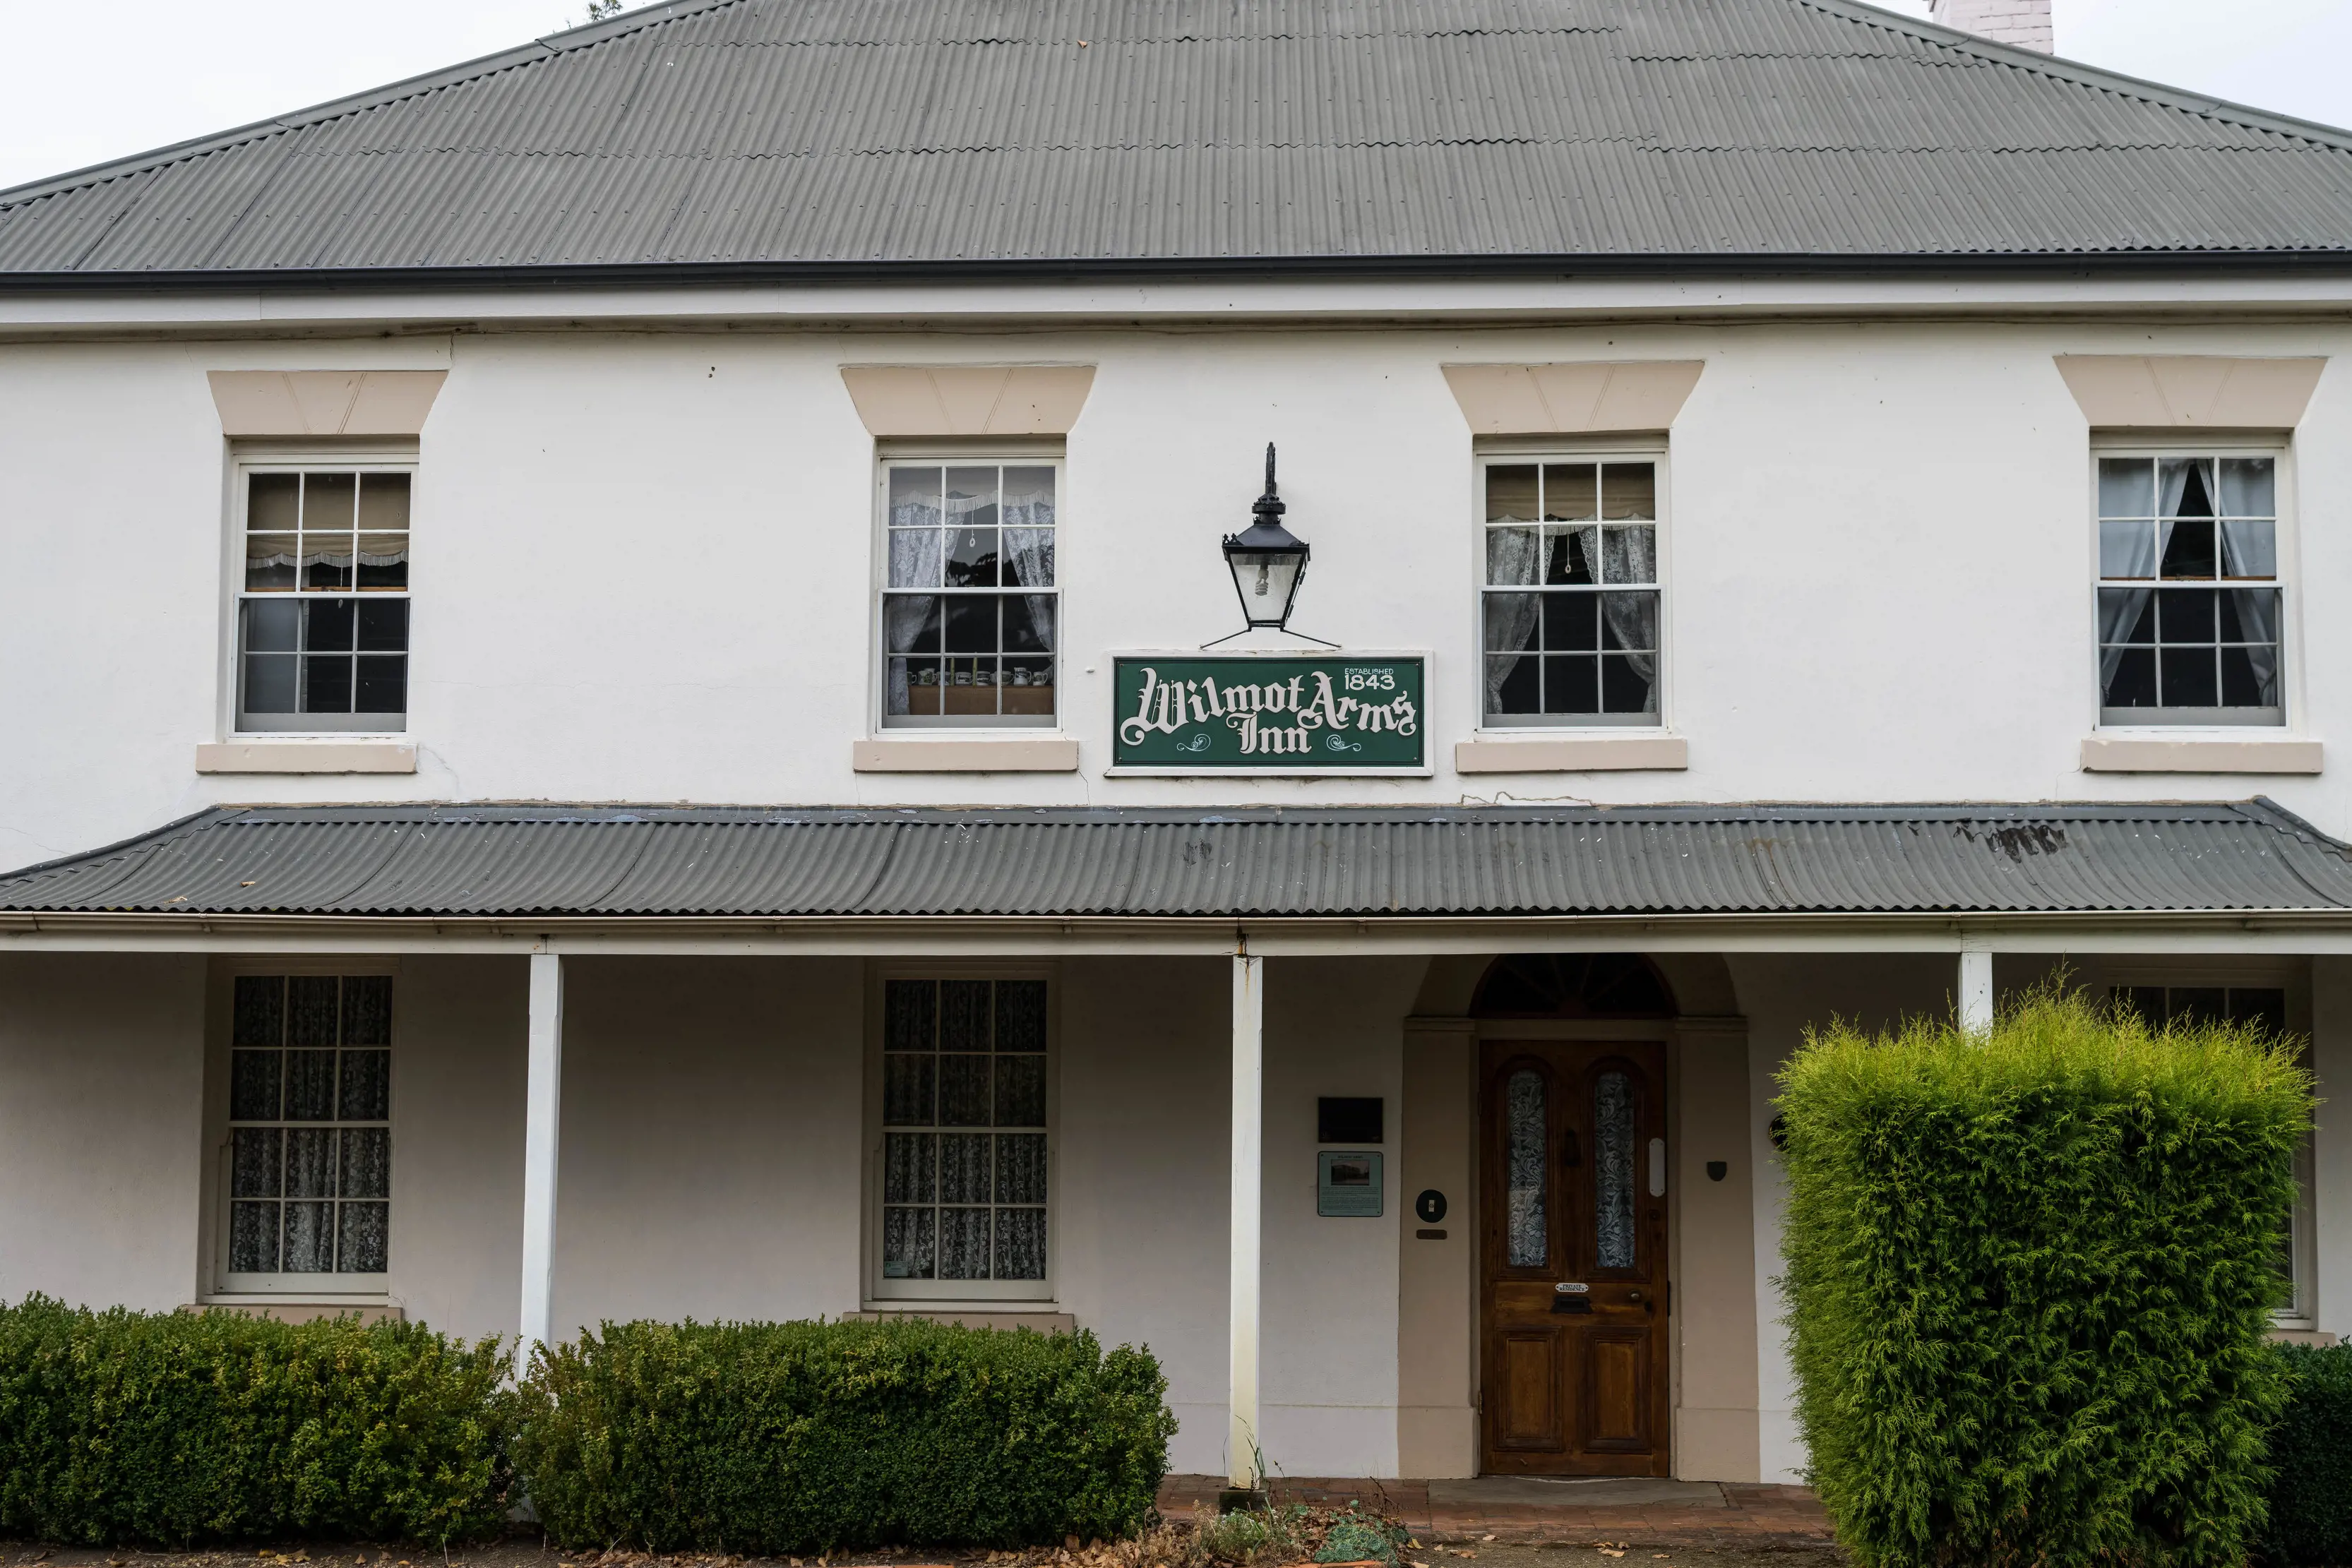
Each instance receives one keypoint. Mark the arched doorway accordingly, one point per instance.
(1573, 1245)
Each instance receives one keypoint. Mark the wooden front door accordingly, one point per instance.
(1573, 1260)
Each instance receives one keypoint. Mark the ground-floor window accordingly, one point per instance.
(310, 1133)
(964, 1204)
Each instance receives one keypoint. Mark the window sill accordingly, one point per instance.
(2319, 1337)
(306, 756)
(1045, 1319)
(2197, 754)
(1573, 754)
(295, 1311)
(1044, 754)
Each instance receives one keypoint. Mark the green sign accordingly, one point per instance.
(1281, 713)
(1348, 1186)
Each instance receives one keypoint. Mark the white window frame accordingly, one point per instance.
(248, 460)
(1025, 453)
(1519, 452)
(221, 1286)
(2207, 721)
(2294, 978)
(880, 1293)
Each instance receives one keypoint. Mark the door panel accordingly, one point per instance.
(1572, 1259)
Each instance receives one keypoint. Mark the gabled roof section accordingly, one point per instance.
(732, 138)
(637, 864)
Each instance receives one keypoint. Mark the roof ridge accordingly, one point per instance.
(547, 47)
(2082, 74)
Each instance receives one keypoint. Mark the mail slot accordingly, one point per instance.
(1573, 1296)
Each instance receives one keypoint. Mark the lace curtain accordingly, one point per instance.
(2120, 612)
(1631, 555)
(1512, 554)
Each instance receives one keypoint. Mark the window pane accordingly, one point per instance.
(1029, 557)
(2250, 677)
(1528, 1168)
(367, 1010)
(272, 627)
(906, 1085)
(269, 562)
(1572, 555)
(2186, 486)
(1511, 621)
(1511, 556)
(972, 554)
(2264, 1006)
(382, 625)
(1029, 622)
(310, 1246)
(963, 1244)
(309, 1085)
(382, 686)
(367, 1162)
(1629, 555)
(2247, 488)
(361, 1249)
(2131, 677)
(2126, 488)
(310, 1162)
(1020, 1091)
(328, 625)
(2189, 549)
(329, 502)
(915, 556)
(2147, 1001)
(1020, 1015)
(256, 1162)
(2127, 548)
(2188, 677)
(964, 1176)
(1513, 685)
(313, 1004)
(327, 683)
(1572, 686)
(2249, 549)
(257, 1015)
(384, 502)
(2196, 1004)
(907, 1243)
(253, 1238)
(964, 1007)
(1612, 1171)
(971, 624)
(366, 1094)
(2185, 614)
(328, 560)
(1511, 493)
(909, 1015)
(2126, 615)
(1625, 686)
(253, 1085)
(274, 501)
(1629, 621)
(915, 495)
(912, 686)
(1572, 491)
(963, 1090)
(1021, 1168)
(1630, 490)
(1571, 622)
(910, 1168)
(910, 623)
(1030, 683)
(1020, 1243)
(1028, 497)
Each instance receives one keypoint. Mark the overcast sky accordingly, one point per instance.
(90, 82)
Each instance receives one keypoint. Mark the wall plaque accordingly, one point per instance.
(1271, 713)
(1348, 1186)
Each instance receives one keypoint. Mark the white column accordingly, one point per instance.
(1975, 989)
(1248, 1160)
(542, 1107)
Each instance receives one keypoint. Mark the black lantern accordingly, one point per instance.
(1266, 559)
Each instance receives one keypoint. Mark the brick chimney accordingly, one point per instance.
(2023, 23)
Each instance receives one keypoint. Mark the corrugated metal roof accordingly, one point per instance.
(714, 133)
(633, 861)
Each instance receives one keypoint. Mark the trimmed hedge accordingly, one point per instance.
(807, 1437)
(2311, 1497)
(2029, 1276)
(173, 1428)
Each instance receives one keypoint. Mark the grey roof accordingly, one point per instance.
(632, 862)
(741, 137)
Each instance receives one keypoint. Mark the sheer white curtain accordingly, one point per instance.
(2258, 607)
(1512, 554)
(1631, 555)
(1029, 546)
(2119, 612)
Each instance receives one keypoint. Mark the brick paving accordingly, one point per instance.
(1711, 1513)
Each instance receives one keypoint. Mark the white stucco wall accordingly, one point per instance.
(642, 560)
(101, 1075)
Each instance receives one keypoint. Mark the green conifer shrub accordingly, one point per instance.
(808, 1437)
(172, 1428)
(2029, 1274)
(2311, 1452)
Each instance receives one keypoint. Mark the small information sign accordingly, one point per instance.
(1278, 713)
(1348, 1185)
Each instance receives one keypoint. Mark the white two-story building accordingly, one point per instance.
(623, 695)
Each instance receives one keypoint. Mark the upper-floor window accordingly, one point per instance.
(2190, 595)
(322, 604)
(970, 614)
(1570, 598)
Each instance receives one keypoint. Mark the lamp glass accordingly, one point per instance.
(1267, 581)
